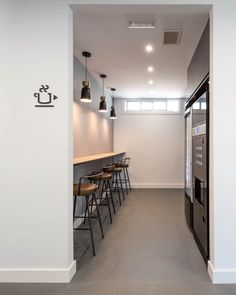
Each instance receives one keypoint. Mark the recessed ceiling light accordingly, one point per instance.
(150, 24)
(149, 48)
(150, 69)
(150, 82)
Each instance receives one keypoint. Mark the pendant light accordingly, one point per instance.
(103, 105)
(113, 109)
(85, 92)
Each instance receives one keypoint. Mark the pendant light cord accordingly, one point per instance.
(113, 98)
(85, 68)
(102, 86)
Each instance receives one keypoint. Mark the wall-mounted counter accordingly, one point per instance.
(95, 157)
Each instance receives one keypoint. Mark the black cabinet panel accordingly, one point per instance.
(200, 228)
(188, 210)
(199, 65)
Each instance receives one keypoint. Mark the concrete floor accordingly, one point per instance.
(147, 250)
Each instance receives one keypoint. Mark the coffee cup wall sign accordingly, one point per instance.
(44, 97)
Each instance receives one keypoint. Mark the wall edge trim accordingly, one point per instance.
(38, 275)
(210, 270)
(221, 275)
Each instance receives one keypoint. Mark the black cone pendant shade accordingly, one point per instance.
(85, 91)
(113, 109)
(113, 113)
(103, 105)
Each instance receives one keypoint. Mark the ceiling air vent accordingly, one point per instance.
(172, 37)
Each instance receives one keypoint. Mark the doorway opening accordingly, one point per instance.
(154, 56)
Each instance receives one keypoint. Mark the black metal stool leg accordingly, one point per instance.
(90, 225)
(111, 195)
(121, 186)
(125, 180)
(91, 208)
(74, 206)
(107, 199)
(99, 217)
(85, 214)
(127, 172)
(117, 188)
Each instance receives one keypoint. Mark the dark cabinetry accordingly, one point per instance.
(197, 151)
(199, 65)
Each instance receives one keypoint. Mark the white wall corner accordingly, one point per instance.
(156, 185)
(221, 276)
(38, 275)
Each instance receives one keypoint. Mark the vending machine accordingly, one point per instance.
(197, 166)
(200, 166)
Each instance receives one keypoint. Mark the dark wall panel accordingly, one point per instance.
(200, 63)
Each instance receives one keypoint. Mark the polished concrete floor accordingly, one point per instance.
(147, 250)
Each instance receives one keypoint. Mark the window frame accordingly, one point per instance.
(151, 112)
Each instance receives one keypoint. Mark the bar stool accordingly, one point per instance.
(116, 180)
(124, 164)
(106, 188)
(86, 188)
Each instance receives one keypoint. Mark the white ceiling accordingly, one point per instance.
(118, 51)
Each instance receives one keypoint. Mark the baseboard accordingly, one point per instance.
(221, 276)
(157, 185)
(38, 275)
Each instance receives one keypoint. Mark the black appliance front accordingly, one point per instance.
(188, 199)
(188, 210)
(200, 174)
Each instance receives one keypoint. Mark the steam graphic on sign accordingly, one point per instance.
(44, 98)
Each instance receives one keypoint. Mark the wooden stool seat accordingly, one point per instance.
(116, 170)
(85, 189)
(105, 176)
(75, 189)
(122, 165)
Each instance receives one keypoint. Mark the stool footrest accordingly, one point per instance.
(104, 199)
(83, 217)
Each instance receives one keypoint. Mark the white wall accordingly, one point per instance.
(36, 143)
(222, 265)
(93, 131)
(155, 144)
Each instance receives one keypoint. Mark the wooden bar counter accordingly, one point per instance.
(95, 157)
